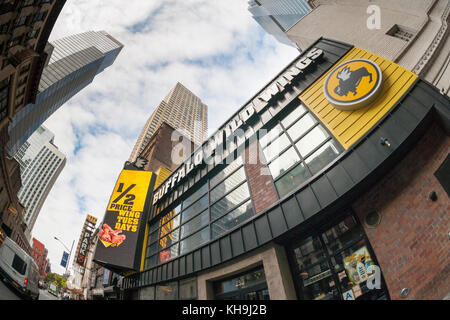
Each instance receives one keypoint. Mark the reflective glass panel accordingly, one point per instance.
(312, 140)
(197, 194)
(225, 186)
(269, 135)
(283, 163)
(167, 292)
(232, 219)
(294, 115)
(322, 157)
(194, 241)
(292, 180)
(195, 224)
(301, 126)
(225, 171)
(276, 147)
(196, 208)
(230, 201)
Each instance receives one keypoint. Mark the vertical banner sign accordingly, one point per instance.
(84, 247)
(64, 259)
(124, 224)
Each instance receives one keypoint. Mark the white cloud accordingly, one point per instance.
(213, 47)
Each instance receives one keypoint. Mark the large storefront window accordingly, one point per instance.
(248, 286)
(218, 205)
(336, 264)
(297, 148)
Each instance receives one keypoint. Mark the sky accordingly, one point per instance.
(213, 47)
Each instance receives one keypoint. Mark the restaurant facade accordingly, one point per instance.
(331, 183)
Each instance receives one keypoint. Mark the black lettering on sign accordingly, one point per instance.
(129, 200)
(123, 193)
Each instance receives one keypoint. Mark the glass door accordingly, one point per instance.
(336, 264)
(249, 286)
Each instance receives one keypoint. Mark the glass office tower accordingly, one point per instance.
(40, 165)
(74, 63)
(181, 109)
(277, 16)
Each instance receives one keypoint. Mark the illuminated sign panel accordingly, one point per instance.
(353, 84)
(124, 223)
(85, 239)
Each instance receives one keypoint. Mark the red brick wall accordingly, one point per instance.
(259, 179)
(412, 242)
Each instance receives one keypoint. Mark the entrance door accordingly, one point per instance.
(335, 263)
(248, 286)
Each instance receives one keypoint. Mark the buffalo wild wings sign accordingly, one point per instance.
(123, 227)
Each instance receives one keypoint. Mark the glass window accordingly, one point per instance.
(166, 255)
(197, 194)
(225, 172)
(241, 282)
(293, 116)
(169, 226)
(169, 239)
(195, 224)
(301, 127)
(194, 241)
(147, 293)
(291, 180)
(188, 289)
(276, 147)
(322, 157)
(19, 265)
(227, 185)
(230, 201)
(167, 292)
(283, 163)
(270, 135)
(232, 219)
(312, 140)
(196, 208)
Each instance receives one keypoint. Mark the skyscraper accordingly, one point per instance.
(40, 165)
(74, 63)
(182, 110)
(277, 16)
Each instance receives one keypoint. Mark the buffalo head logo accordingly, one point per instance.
(350, 80)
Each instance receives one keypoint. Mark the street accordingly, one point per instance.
(6, 293)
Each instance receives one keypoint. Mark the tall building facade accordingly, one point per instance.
(40, 165)
(25, 27)
(316, 202)
(414, 34)
(39, 255)
(181, 109)
(277, 16)
(75, 61)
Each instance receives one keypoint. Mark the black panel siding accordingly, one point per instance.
(292, 212)
(197, 260)
(206, 257)
(225, 248)
(340, 179)
(277, 222)
(263, 230)
(308, 202)
(237, 243)
(249, 236)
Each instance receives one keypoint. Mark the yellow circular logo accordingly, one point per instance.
(353, 84)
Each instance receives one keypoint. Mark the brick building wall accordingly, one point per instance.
(412, 241)
(259, 179)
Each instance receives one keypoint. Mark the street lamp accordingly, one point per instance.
(70, 252)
